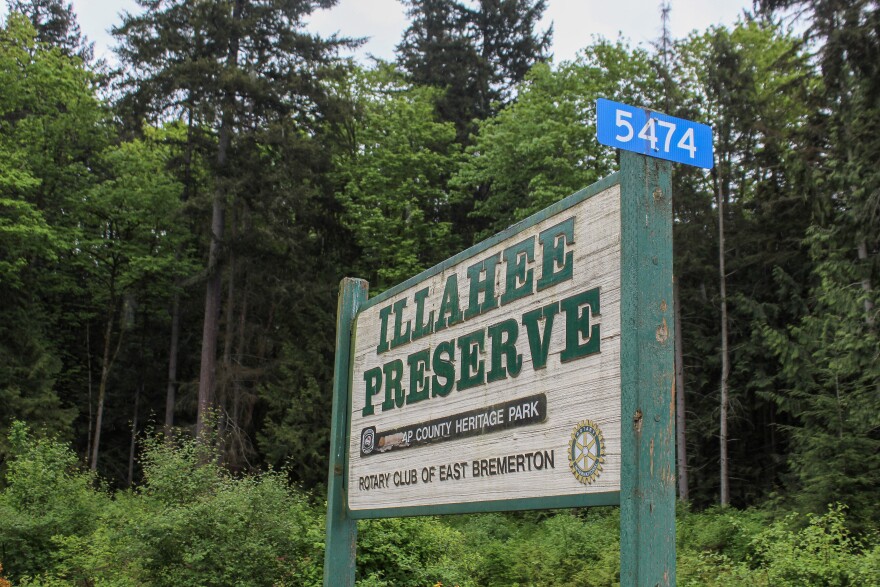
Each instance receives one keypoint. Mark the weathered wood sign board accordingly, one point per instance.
(531, 371)
(495, 376)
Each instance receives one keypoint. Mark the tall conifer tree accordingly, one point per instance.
(237, 67)
(56, 25)
(477, 54)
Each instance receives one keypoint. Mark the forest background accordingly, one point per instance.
(173, 230)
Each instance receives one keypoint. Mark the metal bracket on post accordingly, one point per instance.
(341, 543)
(647, 492)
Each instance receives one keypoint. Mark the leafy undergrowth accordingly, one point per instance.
(192, 523)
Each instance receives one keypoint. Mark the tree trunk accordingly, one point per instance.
(91, 415)
(239, 353)
(171, 390)
(208, 370)
(725, 357)
(680, 437)
(866, 286)
(134, 425)
(102, 387)
(228, 339)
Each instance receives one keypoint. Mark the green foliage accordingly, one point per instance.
(792, 551)
(725, 533)
(130, 232)
(50, 124)
(543, 147)
(553, 550)
(414, 551)
(476, 54)
(393, 178)
(192, 523)
(47, 498)
(822, 553)
(752, 84)
(189, 524)
(322, 175)
(830, 358)
(55, 24)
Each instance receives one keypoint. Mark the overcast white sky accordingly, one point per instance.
(383, 21)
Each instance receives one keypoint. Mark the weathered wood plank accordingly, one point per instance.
(586, 388)
(647, 492)
(341, 541)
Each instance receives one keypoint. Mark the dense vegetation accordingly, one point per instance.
(191, 523)
(173, 230)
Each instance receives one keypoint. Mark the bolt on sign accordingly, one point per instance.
(495, 376)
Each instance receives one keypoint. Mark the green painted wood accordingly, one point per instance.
(647, 492)
(341, 540)
(506, 505)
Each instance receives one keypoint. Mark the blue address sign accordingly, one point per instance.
(654, 134)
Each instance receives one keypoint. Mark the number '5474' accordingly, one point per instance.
(654, 134)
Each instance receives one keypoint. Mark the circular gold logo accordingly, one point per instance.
(586, 453)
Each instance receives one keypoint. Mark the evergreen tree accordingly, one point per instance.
(752, 85)
(252, 80)
(477, 55)
(830, 356)
(56, 25)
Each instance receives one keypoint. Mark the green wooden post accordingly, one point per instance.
(339, 554)
(647, 491)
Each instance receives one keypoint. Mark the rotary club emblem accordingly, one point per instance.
(586, 453)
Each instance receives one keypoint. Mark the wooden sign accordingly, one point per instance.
(495, 376)
(532, 371)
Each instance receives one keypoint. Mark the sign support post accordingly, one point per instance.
(647, 491)
(340, 546)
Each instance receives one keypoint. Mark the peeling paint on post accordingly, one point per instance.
(647, 492)
(339, 554)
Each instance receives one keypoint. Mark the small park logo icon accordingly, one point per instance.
(368, 440)
(586, 453)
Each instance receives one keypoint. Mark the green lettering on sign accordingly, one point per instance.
(503, 337)
(473, 368)
(486, 285)
(443, 368)
(577, 325)
(539, 343)
(519, 281)
(557, 265)
(422, 328)
(449, 305)
(419, 385)
(393, 388)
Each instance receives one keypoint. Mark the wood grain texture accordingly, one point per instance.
(587, 388)
(647, 493)
(341, 530)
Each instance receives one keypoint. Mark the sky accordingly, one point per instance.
(383, 21)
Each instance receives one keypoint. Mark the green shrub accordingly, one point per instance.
(192, 524)
(413, 552)
(47, 498)
(723, 531)
(731, 548)
(559, 549)
(822, 553)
